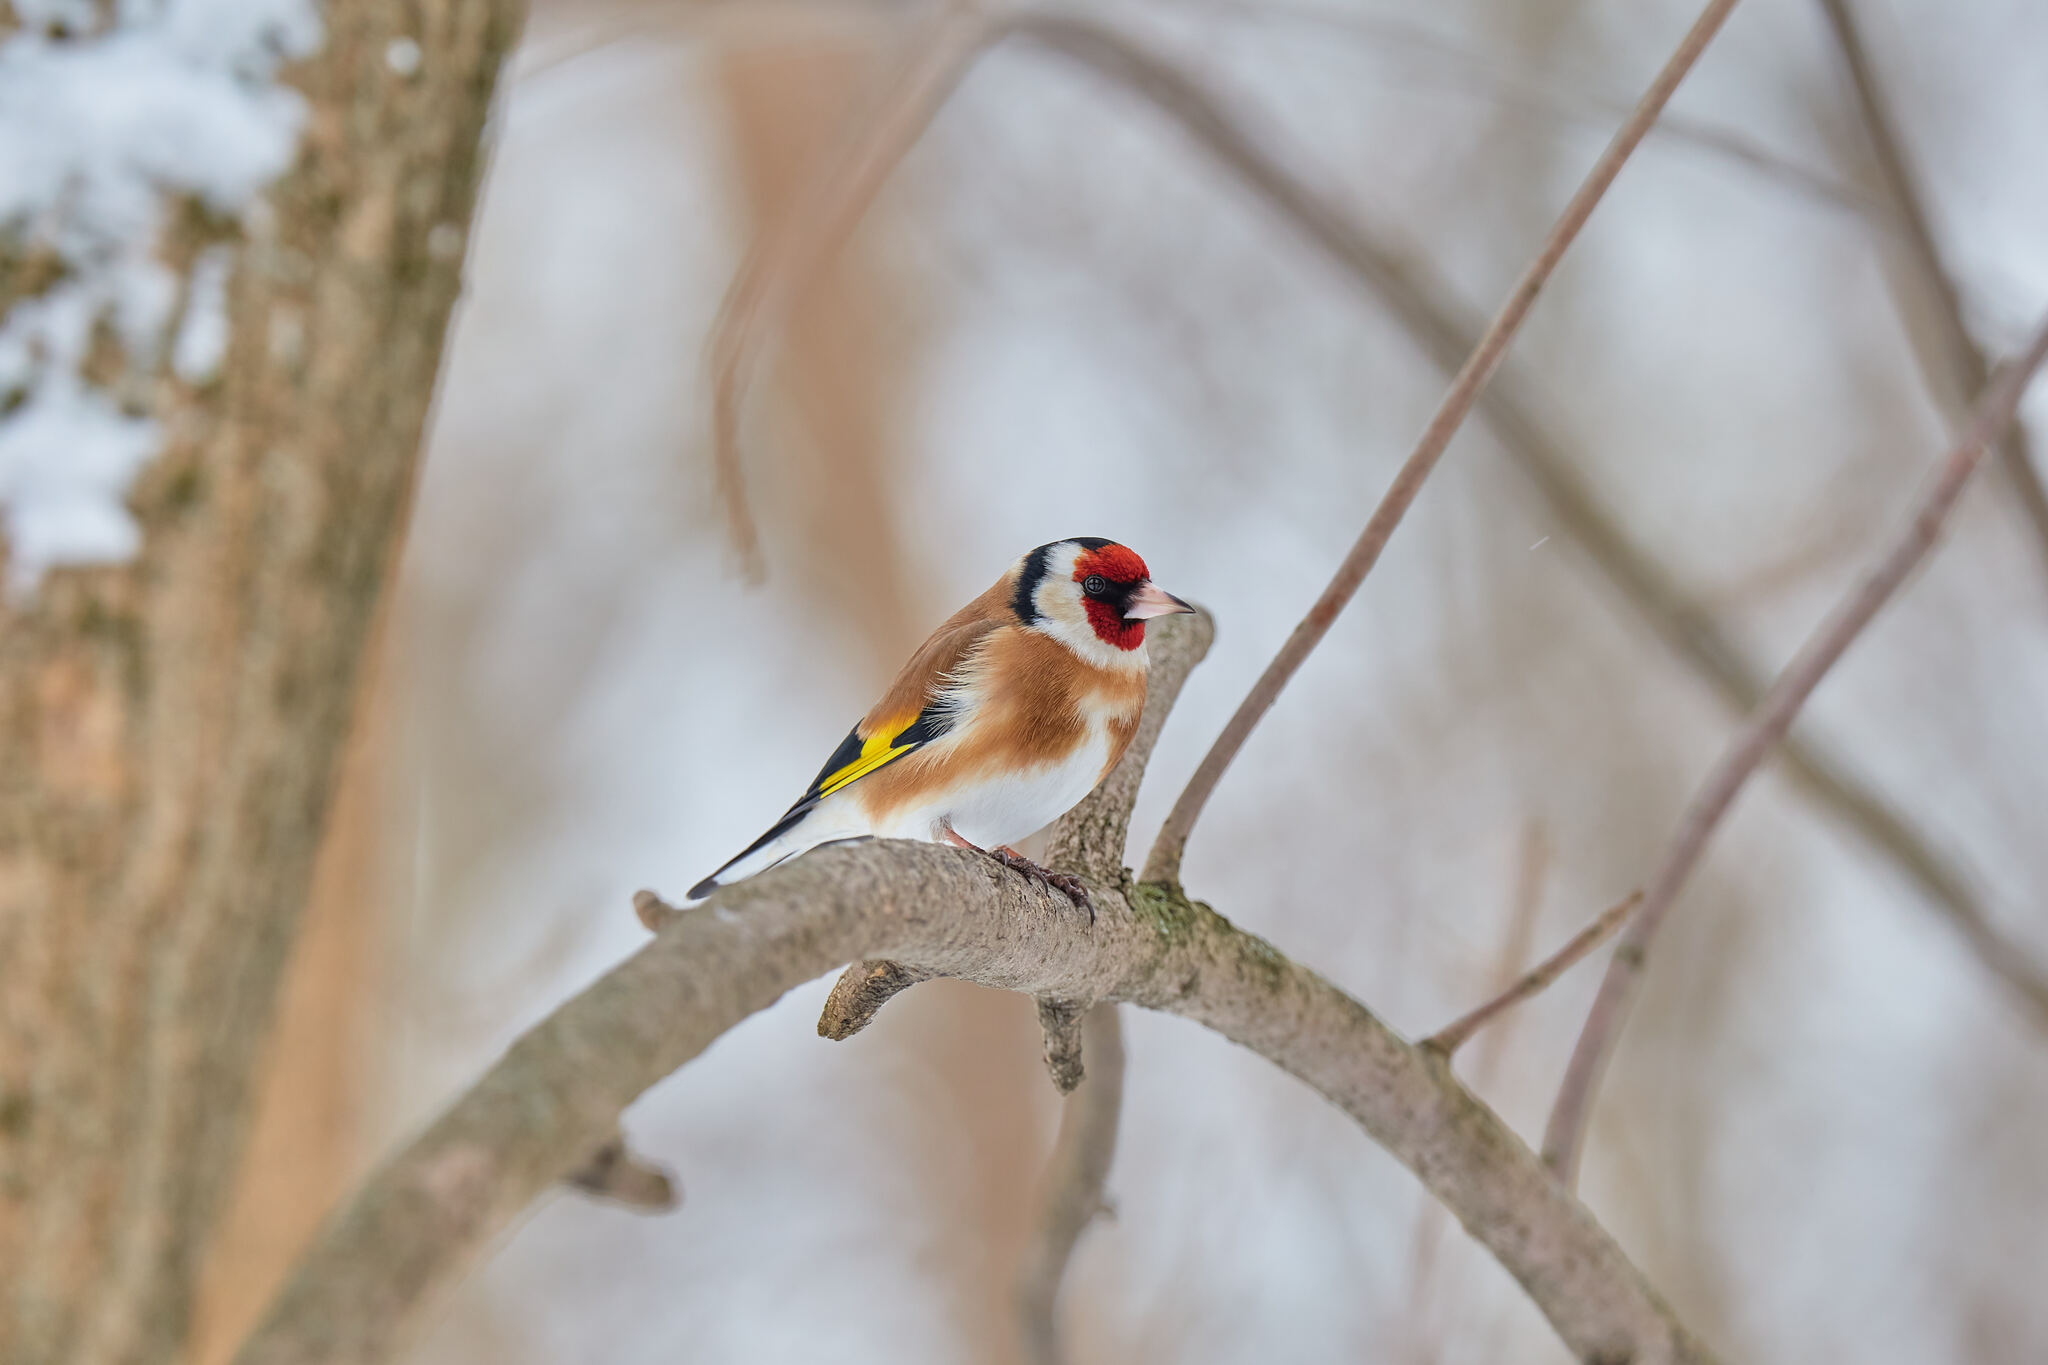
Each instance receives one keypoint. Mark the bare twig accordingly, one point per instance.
(1537, 979)
(1436, 437)
(788, 252)
(1958, 352)
(1559, 95)
(1074, 1178)
(1564, 1138)
(1426, 309)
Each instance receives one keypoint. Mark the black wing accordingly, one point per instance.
(854, 759)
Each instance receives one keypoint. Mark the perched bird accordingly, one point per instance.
(1000, 723)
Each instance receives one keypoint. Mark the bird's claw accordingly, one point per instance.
(1065, 883)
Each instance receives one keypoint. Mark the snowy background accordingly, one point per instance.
(1822, 1135)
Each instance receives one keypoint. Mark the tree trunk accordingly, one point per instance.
(170, 728)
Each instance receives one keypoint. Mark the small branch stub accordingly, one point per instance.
(654, 912)
(1061, 1020)
(615, 1174)
(860, 993)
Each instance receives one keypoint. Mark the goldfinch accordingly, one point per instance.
(1001, 722)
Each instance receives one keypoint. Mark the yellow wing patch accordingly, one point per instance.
(878, 749)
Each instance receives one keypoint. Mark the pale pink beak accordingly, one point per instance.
(1151, 600)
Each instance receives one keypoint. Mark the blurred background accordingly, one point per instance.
(1822, 1136)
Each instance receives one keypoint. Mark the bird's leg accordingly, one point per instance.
(1064, 882)
(1069, 886)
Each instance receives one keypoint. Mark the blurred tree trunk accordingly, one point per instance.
(307, 1141)
(170, 729)
(831, 468)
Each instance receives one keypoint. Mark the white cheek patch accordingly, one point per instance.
(1063, 614)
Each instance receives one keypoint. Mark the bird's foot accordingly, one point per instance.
(1067, 885)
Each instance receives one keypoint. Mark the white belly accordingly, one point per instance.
(1016, 806)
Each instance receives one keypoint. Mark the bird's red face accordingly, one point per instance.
(1118, 594)
(1092, 595)
(1107, 576)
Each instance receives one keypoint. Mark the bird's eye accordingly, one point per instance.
(1095, 585)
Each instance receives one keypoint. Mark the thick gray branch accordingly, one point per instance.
(555, 1096)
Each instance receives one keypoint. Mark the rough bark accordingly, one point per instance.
(170, 728)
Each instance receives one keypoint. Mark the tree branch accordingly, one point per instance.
(1537, 979)
(1561, 96)
(1075, 1177)
(1564, 1138)
(1425, 308)
(1164, 863)
(556, 1094)
(1958, 352)
(428, 1212)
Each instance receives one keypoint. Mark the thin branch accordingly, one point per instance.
(787, 254)
(1557, 98)
(1959, 353)
(1537, 979)
(1075, 1178)
(1436, 437)
(1564, 1138)
(1562, 96)
(1425, 307)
